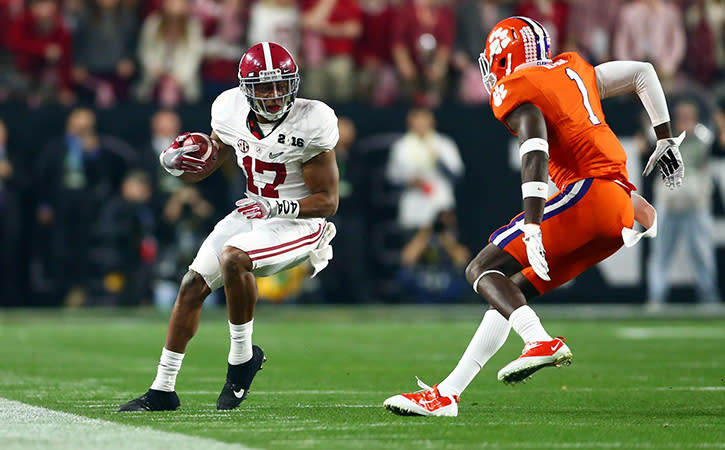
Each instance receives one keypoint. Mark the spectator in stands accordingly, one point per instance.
(423, 36)
(590, 28)
(651, 30)
(184, 216)
(165, 126)
(552, 14)
(686, 215)
(11, 83)
(11, 218)
(425, 164)
(433, 262)
(123, 245)
(376, 78)
(339, 24)
(187, 218)
(349, 282)
(224, 23)
(71, 11)
(43, 52)
(74, 174)
(473, 19)
(276, 21)
(104, 45)
(170, 52)
(705, 23)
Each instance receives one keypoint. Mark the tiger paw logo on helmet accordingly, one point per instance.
(514, 42)
(498, 40)
(498, 94)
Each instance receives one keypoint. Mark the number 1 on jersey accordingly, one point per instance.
(585, 95)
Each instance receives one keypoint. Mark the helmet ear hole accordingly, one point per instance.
(502, 62)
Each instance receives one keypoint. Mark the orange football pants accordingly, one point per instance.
(582, 226)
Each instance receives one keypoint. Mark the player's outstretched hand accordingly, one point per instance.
(176, 156)
(535, 250)
(667, 157)
(254, 207)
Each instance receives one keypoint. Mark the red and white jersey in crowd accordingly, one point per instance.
(273, 161)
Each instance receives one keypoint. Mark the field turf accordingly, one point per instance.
(634, 382)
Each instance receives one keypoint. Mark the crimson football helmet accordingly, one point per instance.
(512, 43)
(269, 78)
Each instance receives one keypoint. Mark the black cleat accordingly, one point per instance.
(239, 378)
(153, 400)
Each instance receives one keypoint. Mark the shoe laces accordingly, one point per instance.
(423, 386)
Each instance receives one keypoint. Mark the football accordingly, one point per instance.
(208, 148)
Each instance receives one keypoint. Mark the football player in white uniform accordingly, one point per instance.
(284, 145)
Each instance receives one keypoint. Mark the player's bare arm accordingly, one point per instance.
(321, 178)
(212, 165)
(528, 122)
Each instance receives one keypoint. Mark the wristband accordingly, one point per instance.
(287, 209)
(535, 189)
(532, 145)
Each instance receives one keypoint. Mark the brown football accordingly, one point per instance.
(208, 148)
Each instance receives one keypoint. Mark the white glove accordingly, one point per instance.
(535, 250)
(667, 157)
(254, 207)
(175, 159)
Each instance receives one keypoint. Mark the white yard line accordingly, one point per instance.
(25, 427)
(671, 332)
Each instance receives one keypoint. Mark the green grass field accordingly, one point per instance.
(633, 383)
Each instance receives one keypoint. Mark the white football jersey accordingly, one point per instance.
(273, 164)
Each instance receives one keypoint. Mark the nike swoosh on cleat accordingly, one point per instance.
(555, 347)
(239, 394)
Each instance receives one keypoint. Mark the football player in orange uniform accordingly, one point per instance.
(554, 107)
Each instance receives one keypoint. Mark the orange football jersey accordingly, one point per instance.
(581, 144)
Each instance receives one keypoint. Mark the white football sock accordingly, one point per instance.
(240, 349)
(488, 339)
(526, 323)
(169, 366)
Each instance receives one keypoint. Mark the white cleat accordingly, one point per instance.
(428, 402)
(536, 355)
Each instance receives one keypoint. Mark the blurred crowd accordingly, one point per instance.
(381, 51)
(104, 224)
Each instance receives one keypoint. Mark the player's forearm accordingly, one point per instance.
(534, 185)
(320, 204)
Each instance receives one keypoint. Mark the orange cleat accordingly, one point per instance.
(428, 402)
(536, 355)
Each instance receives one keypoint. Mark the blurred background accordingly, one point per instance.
(91, 91)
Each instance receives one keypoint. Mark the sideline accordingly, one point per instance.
(32, 427)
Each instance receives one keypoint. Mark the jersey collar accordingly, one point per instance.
(255, 129)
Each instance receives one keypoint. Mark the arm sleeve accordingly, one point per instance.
(626, 77)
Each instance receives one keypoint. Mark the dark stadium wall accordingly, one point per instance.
(487, 198)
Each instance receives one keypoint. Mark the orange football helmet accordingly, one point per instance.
(514, 42)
